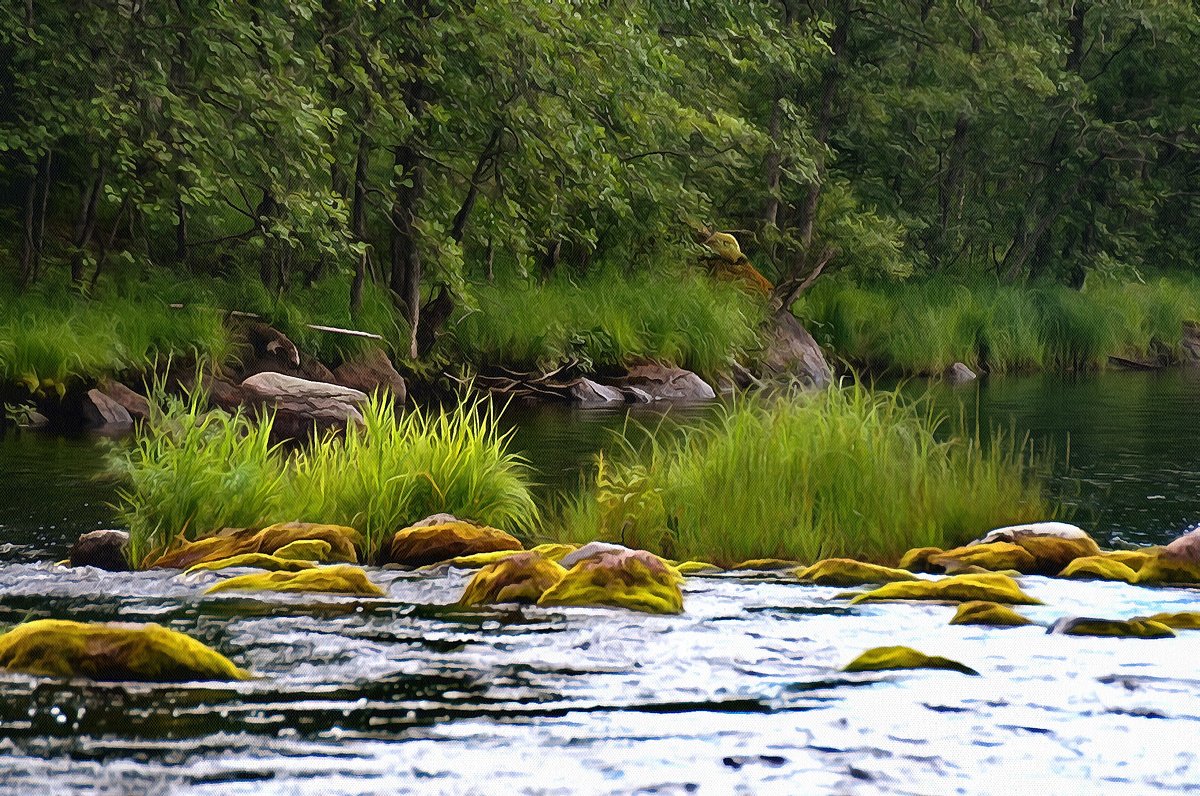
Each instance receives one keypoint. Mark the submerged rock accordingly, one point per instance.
(589, 393)
(1099, 568)
(230, 543)
(1052, 544)
(1117, 628)
(106, 550)
(519, 578)
(959, 373)
(633, 579)
(1184, 620)
(475, 560)
(255, 561)
(144, 653)
(993, 557)
(917, 560)
(419, 545)
(990, 587)
(882, 659)
(981, 612)
(848, 572)
(341, 579)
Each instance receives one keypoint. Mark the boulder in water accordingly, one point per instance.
(918, 560)
(418, 545)
(1099, 568)
(254, 561)
(143, 653)
(981, 612)
(880, 659)
(317, 550)
(184, 555)
(991, 587)
(1164, 569)
(102, 412)
(590, 549)
(633, 579)
(1052, 544)
(1116, 628)
(519, 578)
(1184, 620)
(847, 572)
(107, 549)
(993, 557)
(340, 579)
(958, 373)
(667, 383)
(793, 353)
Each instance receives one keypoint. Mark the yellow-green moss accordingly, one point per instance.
(317, 550)
(476, 560)
(991, 587)
(332, 580)
(144, 653)
(631, 579)
(848, 572)
(555, 551)
(766, 564)
(1161, 569)
(980, 612)
(991, 557)
(917, 560)
(431, 544)
(1184, 620)
(1099, 568)
(1134, 559)
(519, 578)
(184, 555)
(695, 568)
(1052, 553)
(888, 658)
(1116, 628)
(256, 560)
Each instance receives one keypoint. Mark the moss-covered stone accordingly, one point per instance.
(917, 560)
(1184, 620)
(429, 544)
(767, 564)
(1099, 568)
(519, 578)
(476, 560)
(143, 653)
(690, 568)
(230, 543)
(255, 560)
(555, 551)
(990, 587)
(1053, 553)
(1163, 569)
(1115, 628)
(848, 572)
(1134, 559)
(981, 612)
(882, 659)
(991, 557)
(317, 550)
(631, 579)
(331, 580)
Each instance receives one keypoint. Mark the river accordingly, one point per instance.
(740, 694)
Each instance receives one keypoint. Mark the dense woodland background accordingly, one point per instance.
(420, 147)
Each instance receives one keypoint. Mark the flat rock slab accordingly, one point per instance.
(666, 383)
(301, 405)
(100, 411)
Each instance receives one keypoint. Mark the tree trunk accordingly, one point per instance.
(86, 224)
(358, 220)
(405, 279)
(459, 227)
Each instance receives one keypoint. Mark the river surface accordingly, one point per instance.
(740, 694)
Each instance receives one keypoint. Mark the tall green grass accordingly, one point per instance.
(192, 473)
(840, 473)
(924, 327)
(608, 319)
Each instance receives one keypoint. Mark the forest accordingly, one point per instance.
(401, 165)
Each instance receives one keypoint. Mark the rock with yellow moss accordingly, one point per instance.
(1099, 568)
(848, 572)
(917, 560)
(766, 564)
(981, 612)
(341, 579)
(1183, 620)
(880, 659)
(256, 561)
(519, 578)
(692, 568)
(992, 557)
(1052, 544)
(1164, 569)
(991, 587)
(633, 579)
(316, 550)
(1134, 559)
(475, 560)
(555, 551)
(1114, 628)
(142, 653)
(419, 544)
(230, 543)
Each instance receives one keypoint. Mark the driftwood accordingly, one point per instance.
(314, 326)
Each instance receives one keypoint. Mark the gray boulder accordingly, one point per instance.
(1191, 343)
(101, 549)
(302, 406)
(136, 405)
(666, 383)
(958, 373)
(587, 392)
(102, 412)
(793, 353)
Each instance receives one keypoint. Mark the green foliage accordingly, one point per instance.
(842, 473)
(192, 473)
(607, 319)
(924, 327)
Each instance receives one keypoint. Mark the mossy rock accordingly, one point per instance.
(555, 551)
(882, 659)
(519, 578)
(991, 557)
(317, 550)
(917, 560)
(631, 579)
(766, 564)
(990, 587)
(848, 572)
(1134, 559)
(255, 560)
(1053, 553)
(418, 546)
(230, 543)
(1113, 628)
(1184, 620)
(1099, 568)
(476, 560)
(981, 612)
(141, 653)
(1162, 570)
(690, 568)
(330, 580)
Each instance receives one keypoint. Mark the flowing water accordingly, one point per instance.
(741, 694)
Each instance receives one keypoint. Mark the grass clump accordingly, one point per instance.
(192, 473)
(608, 319)
(840, 474)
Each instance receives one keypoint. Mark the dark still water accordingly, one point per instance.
(1124, 451)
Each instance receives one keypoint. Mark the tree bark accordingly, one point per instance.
(405, 279)
(459, 227)
(86, 224)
